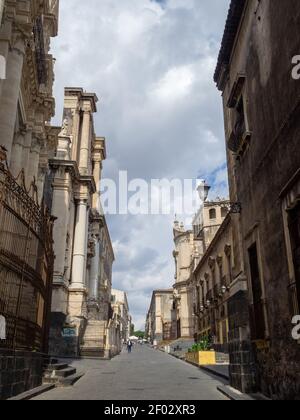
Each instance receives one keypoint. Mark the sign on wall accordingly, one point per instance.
(69, 332)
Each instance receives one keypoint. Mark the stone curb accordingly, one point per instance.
(235, 395)
(209, 370)
(214, 372)
(35, 392)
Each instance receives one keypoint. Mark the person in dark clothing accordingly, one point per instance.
(129, 346)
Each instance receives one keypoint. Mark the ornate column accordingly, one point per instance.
(97, 177)
(34, 160)
(10, 93)
(80, 246)
(26, 150)
(75, 134)
(60, 210)
(94, 272)
(16, 162)
(85, 143)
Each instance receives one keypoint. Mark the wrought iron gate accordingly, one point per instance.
(26, 264)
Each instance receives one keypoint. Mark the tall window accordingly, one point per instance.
(257, 311)
(240, 136)
(294, 228)
(212, 214)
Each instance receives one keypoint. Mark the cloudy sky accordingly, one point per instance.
(151, 64)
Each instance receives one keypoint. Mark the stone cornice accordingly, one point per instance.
(99, 149)
(72, 166)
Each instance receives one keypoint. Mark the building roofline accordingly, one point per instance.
(219, 233)
(234, 17)
(81, 94)
(163, 291)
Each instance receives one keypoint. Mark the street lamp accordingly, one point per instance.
(203, 190)
(224, 289)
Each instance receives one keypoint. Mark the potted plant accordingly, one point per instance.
(201, 353)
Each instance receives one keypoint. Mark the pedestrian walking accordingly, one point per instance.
(129, 346)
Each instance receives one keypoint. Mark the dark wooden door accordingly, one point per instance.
(294, 227)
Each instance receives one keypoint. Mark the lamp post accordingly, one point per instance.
(203, 190)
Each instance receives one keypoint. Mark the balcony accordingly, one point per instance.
(240, 137)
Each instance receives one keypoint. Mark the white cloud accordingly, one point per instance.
(152, 68)
(175, 84)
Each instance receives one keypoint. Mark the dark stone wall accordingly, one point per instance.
(60, 346)
(273, 157)
(19, 372)
(242, 369)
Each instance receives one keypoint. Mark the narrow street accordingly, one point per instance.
(146, 374)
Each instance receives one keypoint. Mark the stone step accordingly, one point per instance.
(93, 331)
(57, 366)
(93, 345)
(63, 373)
(98, 342)
(92, 352)
(61, 382)
(50, 361)
(93, 338)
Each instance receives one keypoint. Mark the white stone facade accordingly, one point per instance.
(161, 319)
(27, 103)
(84, 254)
(121, 309)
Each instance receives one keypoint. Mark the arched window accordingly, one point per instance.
(212, 214)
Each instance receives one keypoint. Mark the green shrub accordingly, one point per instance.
(203, 345)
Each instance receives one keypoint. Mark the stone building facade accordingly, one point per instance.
(27, 141)
(173, 314)
(211, 286)
(262, 126)
(190, 247)
(83, 267)
(121, 310)
(185, 249)
(161, 320)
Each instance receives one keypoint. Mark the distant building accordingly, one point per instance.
(190, 247)
(208, 220)
(174, 313)
(160, 323)
(121, 310)
(211, 284)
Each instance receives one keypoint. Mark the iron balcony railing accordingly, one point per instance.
(26, 264)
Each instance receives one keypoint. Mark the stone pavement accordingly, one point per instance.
(146, 374)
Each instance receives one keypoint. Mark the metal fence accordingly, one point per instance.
(26, 264)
